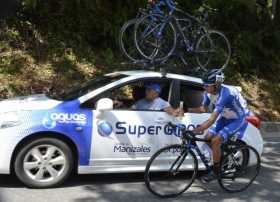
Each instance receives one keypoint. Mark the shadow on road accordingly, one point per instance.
(130, 187)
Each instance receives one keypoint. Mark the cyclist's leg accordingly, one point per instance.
(213, 130)
(230, 128)
(234, 126)
(216, 149)
(220, 133)
(216, 141)
(224, 129)
(215, 145)
(209, 137)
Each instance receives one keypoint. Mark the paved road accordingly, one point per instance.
(130, 188)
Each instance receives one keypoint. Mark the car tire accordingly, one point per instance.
(44, 163)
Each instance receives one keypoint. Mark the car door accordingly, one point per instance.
(124, 139)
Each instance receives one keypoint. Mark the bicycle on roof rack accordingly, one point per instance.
(173, 169)
(155, 36)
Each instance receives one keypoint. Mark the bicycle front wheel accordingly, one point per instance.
(213, 50)
(239, 168)
(171, 171)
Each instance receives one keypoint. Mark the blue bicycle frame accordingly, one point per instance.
(169, 3)
(156, 9)
(191, 145)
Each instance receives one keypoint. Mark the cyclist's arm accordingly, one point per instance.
(214, 116)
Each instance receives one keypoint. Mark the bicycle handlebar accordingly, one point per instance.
(188, 134)
(183, 129)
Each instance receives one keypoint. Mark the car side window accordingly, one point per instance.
(191, 95)
(125, 96)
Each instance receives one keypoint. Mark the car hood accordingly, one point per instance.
(33, 102)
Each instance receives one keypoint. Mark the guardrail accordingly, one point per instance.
(270, 129)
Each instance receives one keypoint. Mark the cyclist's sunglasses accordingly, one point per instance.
(207, 85)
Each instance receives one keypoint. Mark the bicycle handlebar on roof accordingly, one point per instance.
(169, 3)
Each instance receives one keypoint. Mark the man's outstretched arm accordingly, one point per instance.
(173, 112)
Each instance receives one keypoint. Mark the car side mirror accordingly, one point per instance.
(104, 104)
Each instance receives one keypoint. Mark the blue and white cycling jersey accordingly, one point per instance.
(209, 101)
(232, 108)
(229, 103)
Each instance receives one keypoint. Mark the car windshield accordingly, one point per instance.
(77, 91)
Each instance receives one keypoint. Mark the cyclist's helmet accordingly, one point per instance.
(213, 76)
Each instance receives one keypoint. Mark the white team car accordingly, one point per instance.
(93, 129)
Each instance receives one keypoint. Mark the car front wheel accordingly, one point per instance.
(43, 163)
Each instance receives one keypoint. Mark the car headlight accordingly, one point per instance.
(9, 119)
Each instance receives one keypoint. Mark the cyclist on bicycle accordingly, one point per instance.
(228, 117)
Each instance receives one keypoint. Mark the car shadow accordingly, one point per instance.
(11, 181)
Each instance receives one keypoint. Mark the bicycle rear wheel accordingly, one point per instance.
(126, 41)
(155, 38)
(171, 171)
(239, 168)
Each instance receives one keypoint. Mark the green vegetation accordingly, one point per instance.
(58, 44)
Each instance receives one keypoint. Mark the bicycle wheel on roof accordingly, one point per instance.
(126, 41)
(213, 50)
(155, 37)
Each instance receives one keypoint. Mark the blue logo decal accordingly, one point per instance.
(49, 123)
(104, 128)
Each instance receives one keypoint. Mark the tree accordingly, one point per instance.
(276, 11)
(8, 8)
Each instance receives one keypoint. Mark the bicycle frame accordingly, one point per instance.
(191, 144)
(156, 9)
(189, 46)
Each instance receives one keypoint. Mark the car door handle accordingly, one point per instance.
(79, 128)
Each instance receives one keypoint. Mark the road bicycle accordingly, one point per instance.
(158, 36)
(174, 168)
(126, 35)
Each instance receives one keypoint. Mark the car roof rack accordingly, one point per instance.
(163, 72)
(165, 68)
